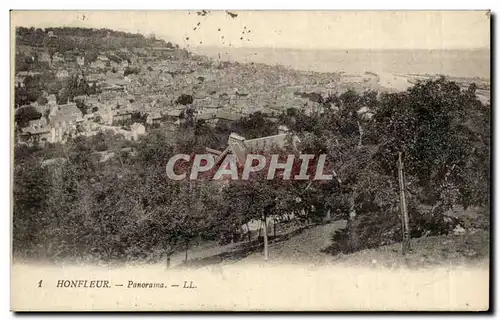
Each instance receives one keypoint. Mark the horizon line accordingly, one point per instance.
(335, 48)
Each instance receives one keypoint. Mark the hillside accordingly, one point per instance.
(308, 246)
(158, 72)
(163, 71)
(116, 117)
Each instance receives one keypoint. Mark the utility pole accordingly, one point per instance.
(264, 224)
(405, 223)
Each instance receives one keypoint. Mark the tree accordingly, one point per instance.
(131, 71)
(255, 125)
(437, 130)
(42, 101)
(441, 129)
(25, 114)
(430, 124)
(29, 198)
(184, 100)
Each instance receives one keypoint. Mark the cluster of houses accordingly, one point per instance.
(127, 98)
(88, 115)
(61, 122)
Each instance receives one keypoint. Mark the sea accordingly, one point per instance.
(474, 63)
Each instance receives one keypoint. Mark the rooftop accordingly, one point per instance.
(156, 115)
(32, 131)
(135, 126)
(120, 112)
(220, 114)
(68, 112)
(27, 73)
(240, 146)
(174, 113)
(269, 142)
(115, 82)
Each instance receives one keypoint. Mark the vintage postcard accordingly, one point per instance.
(220, 160)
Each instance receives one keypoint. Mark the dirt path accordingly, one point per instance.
(305, 247)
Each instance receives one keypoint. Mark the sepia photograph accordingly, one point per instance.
(250, 160)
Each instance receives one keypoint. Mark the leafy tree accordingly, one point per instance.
(255, 125)
(42, 101)
(436, 132)
(131, 70)
(29, 198)
(25, 114)
(184, 100)
(430, 124)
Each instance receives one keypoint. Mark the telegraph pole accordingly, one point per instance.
(264, 224)
(405, 222)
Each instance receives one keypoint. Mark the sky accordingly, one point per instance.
(286, 29)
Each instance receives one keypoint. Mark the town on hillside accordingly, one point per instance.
(98, 114)
(260, 160)
(63, 91)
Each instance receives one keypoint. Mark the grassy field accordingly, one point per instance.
(306, 245)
